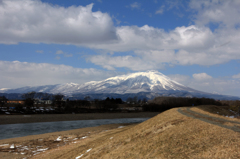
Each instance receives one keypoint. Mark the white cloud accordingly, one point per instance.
(176, 4)
(59, 52)
(221, 85)
(17, 74)
(39, 51)
(150, 38)
(195, 44)
(135, 5)
(236, 76)
(182, 46)
(201, 76)
(160, 10)
(225, 13)
(57, 57)
(185, 45)
(117, 20)
(33, 21)
(110, 62)
(36, 22)
(65, 54)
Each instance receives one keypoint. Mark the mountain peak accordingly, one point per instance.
(154, 77)
(150, 83)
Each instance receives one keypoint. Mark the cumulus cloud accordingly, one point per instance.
(17, 74)
(185, 45)
(38, 22)
(150, 38)
(206, 83)
(182, 46)
(33, 21)
(224, 13)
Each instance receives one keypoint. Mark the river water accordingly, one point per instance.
(19, 130)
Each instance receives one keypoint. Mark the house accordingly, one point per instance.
(47, 101)
(42, 101)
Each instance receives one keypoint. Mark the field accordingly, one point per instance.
(177, 133)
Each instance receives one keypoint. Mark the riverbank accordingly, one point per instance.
(15, 119)
(29, 146)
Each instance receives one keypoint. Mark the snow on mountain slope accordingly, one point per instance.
(150, 81)
(66, 89)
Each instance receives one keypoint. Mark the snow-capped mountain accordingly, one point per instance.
(145, 84)
(151, 81)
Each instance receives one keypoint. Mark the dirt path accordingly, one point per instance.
(228, 124)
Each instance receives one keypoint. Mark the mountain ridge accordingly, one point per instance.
(152, 83)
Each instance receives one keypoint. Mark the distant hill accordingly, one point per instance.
(141, 84)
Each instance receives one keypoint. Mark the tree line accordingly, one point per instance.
(62, 105)
(158, 104)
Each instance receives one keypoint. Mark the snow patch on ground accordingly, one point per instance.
(230, 116)
(42, 149)
(79, 156)
(83, 154)
(84, 137)
(121, 126)
(58, 139)
(89, 150)
(12, 146)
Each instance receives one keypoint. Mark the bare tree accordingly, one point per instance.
(29, 98)
(58, 100)
(3, 100)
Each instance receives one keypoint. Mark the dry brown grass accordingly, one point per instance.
(167, 135)
(215, 111)
(47, 141)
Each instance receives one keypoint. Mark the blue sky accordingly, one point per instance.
(49, 42)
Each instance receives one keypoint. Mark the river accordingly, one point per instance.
(19, 130)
